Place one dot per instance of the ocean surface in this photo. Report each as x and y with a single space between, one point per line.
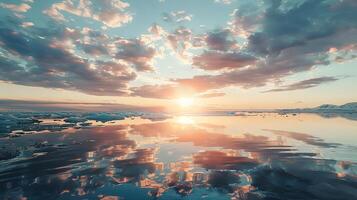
136 156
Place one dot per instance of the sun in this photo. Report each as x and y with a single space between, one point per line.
185 102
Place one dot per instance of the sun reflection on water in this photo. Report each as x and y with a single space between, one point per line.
187 156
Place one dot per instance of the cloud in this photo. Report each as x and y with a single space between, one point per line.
309 83
95 50
220 160
137 53
180 40
245 78
137 164
167 91
223 180
53 106
221 40
224 1
277 46
157 30
47 58
264 42
81 8
22 8
112 13
179 88
325 23
177 16
246 18
211 95
27 24
215 60
283 47
308 139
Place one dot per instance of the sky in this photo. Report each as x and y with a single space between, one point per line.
211 54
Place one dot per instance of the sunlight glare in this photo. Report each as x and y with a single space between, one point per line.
185 102
185 120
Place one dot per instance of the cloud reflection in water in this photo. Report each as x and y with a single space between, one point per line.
110 162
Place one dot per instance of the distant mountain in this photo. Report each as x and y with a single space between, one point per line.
350 106
329 107
326 108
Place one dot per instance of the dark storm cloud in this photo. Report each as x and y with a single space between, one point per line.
309 83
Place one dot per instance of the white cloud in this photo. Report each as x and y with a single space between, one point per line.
112 13
16 8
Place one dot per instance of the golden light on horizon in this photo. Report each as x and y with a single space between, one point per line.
185 102
185 120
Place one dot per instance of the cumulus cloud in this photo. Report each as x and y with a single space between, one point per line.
277 46
221 40
248 78
325 24
177 16
82 8
246 19
137 53
309 83
48 58
112 13
180 40
215 60
27 24
157 30
308 139
94 43
22 8
224 1
263 42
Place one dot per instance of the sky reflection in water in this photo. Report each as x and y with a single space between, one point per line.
265 156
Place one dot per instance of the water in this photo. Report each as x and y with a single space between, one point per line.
253 156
